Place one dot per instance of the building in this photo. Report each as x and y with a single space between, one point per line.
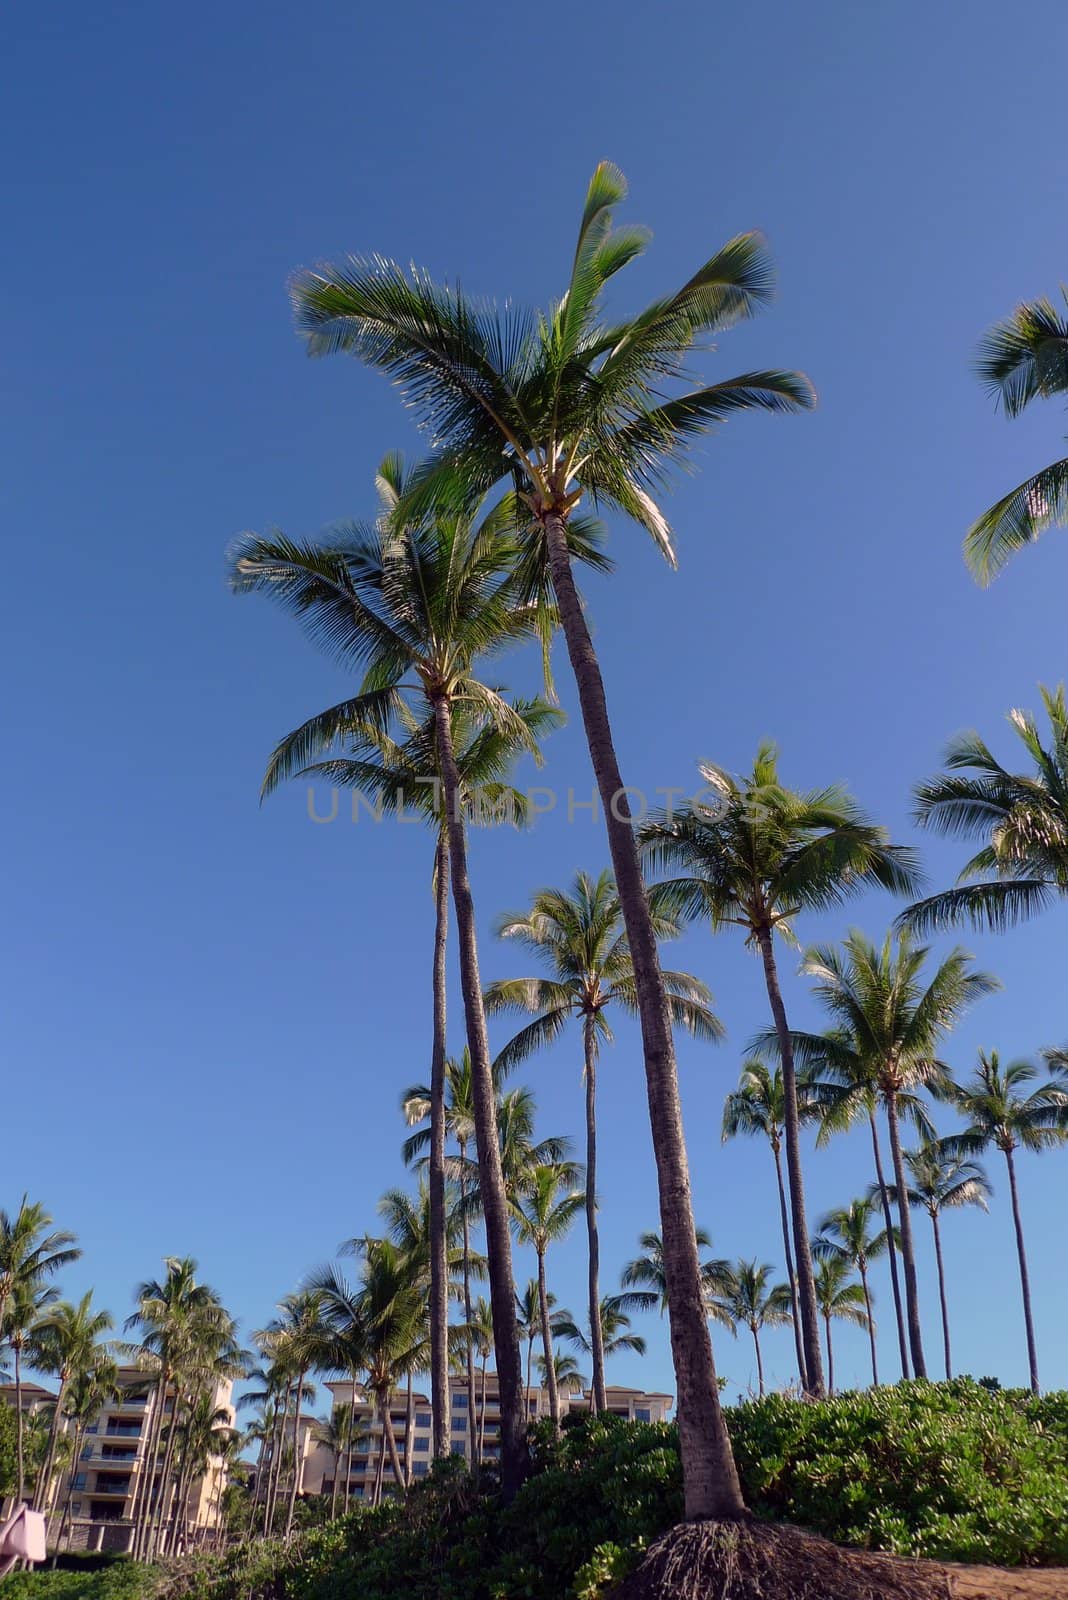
466 1424
103 1482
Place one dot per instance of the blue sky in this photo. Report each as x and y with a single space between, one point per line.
210 1009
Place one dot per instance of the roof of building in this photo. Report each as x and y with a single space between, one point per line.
30 1391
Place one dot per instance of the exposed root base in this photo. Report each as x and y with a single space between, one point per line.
760 1561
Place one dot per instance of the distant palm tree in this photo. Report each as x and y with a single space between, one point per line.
89 1391
566 1377
545 1206
528 1316
1003 1114
1022 359
755 1303
564 405
758 1106
478 1336
615 1330
939 1181
338 1433
755 855
580 936
26 1302
422 603
839 1300
1021 817
30 1251
889 1019
644 1281
65 1343
848 1234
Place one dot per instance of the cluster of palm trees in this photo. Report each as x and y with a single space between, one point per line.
186 1349
555 413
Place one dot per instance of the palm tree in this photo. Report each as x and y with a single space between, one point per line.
420 604
1022 359
888 1022
90 1389
1002 1113
758 1106
755 1303
849 1234
302 1341
645 1283
478 1337
564 405
1021 817
339 1433
581 939
546 1205
30 1251
615 1333
566 1376
528 1318
839 1300
25 1304
940 1181
65 1343
756 856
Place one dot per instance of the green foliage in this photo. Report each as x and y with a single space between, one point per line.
953 1471
7 1448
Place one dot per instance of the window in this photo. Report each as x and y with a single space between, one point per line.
421 1468
79 1480
422 1419
459 1424
642 1414
458 1447
422 1445
459 1402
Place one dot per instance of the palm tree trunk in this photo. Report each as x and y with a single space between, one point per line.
891 1247
863 1268
710 1477
760 1364
277 1458
795 1311
830 1356
439 1267
351 1446
157 1526
409 1434
20 1473
143 1492
66 1520
547 1344
530 1362
380 1471
491 1179
1025 1282
482 1412
469 1445
806 1283
44 1482
598 1396
942 1292
391 1441
297 1461
908 1248
335 1486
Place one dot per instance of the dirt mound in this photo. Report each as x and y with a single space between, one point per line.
760 1561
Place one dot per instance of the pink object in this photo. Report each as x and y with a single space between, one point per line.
22 1538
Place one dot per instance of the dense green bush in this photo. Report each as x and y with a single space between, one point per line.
954 1471
7 1448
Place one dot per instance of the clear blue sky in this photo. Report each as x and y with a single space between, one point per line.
210 1009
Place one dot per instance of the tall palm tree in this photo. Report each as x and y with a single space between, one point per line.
940 1181
421 605
90 1389
753 1302
615 1330
1022 818
850 1234
645 1283
65 1343
1022 359
758 1106
1005 1112
839 1300
545 1206
755 855
303 1341
478 1337
581 939
564 405
31 1250
25 1304
889 1019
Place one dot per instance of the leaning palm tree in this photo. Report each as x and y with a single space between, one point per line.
754 1303
758 1106
889 1018
850 1234
940 1181
645 1283
545 1206
1022 819
580 937
31 1250
754 855
565 405
1022 359
65 1343
421 604
615 1330
1004 1111
840 1300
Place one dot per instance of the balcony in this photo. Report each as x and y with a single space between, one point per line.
111 1486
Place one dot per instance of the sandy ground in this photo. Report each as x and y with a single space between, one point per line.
999 1583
